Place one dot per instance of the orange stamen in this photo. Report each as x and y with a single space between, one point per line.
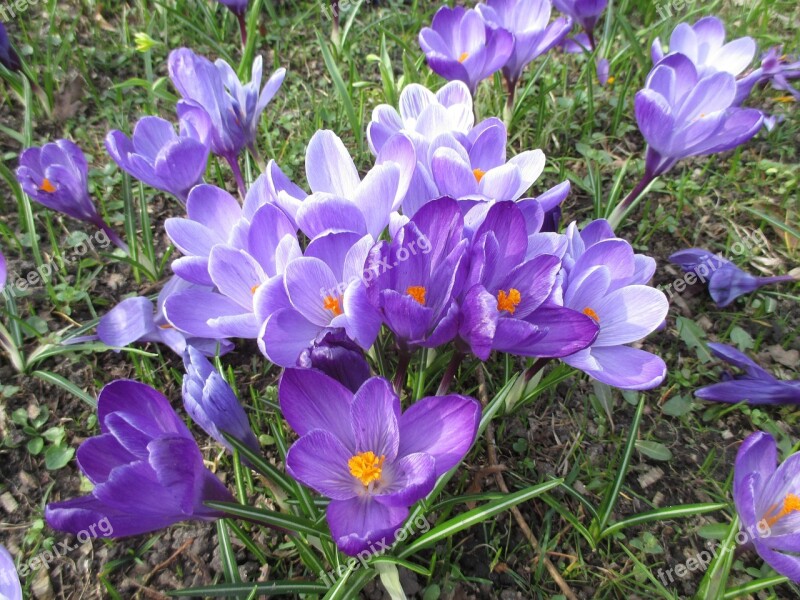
47 186
366 467
464 56
417 292
508 301
333 304
590 313
479 173
791 504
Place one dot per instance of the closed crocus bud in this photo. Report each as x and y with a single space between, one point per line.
159 157
57 176
8 56
338 356
237 7
212 404
147 470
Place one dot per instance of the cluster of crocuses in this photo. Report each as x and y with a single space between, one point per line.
438 242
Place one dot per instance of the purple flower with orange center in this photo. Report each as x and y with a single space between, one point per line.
372 460
767 498
57 176
460 45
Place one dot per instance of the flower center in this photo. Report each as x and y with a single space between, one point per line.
479 173
791 504
464 56
366 467
333 304
47 186
784 99
166 326
590 313
417 292
508 301
254 288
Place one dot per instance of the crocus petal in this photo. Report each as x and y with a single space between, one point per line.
620 366
319 460
127 322
361 523
374 413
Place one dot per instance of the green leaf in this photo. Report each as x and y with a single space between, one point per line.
477 515
664 514
390 578
271 518
272 588
716 577
57 456
694 337
751 587
654 450
34 446
341 89
67 385
677 406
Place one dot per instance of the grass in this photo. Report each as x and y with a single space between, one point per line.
616 455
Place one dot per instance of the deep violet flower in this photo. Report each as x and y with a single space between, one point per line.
138 320
767 498
755 385
459 45
10 588
237 7
586 13
503 306
726 281
529 22
57 176
147 470
372 461
8 56
414 279
159 157
337 356
606 280
210 401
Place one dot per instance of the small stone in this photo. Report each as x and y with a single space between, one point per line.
8 502
41 587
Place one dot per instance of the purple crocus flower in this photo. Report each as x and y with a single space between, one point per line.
10 588
234 109
459 45
503 307
137 320
210 401
586 13
414 279
237 7
8 56
159 157
726 281
147 470
57 176
3 270
340 199
323 289
529 22
245 274
755 385
767 498
423 115
704 44
372 461
337 356
777 69
605 280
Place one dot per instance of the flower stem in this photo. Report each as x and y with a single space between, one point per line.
619 211
112 235
237 173
242 29
537 366
508 113
450 372
402 369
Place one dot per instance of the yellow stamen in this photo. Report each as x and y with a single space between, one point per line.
508 301
166 326
479 173
417 292
366 467
611 80
590 313
254 288
464 56
47 186
333 304
784 99
791 504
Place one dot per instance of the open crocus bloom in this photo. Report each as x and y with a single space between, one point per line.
767 498
506 289
755 385
147 470
372 461
159 157
682 113
529 22
459 45
704 44
726 281
606 281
